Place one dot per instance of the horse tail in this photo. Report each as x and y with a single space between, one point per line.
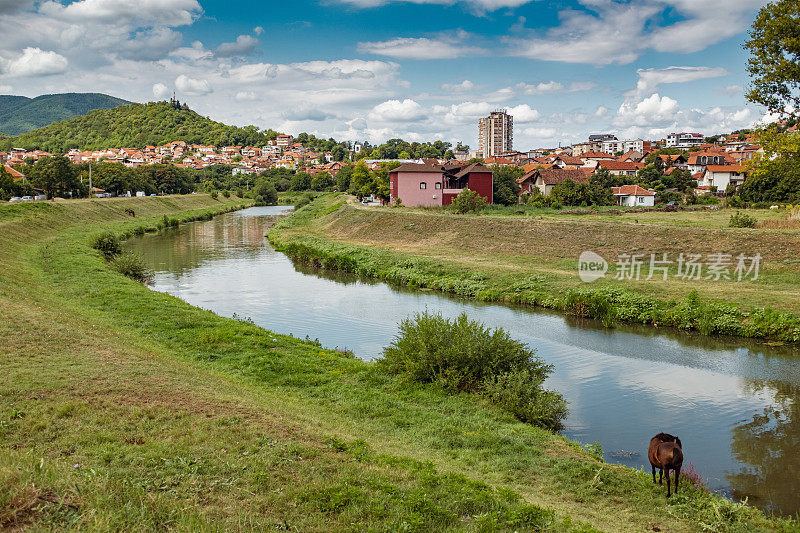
678 441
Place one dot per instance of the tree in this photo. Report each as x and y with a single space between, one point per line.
265 192
468 201
300 181
56 175
322 181
506 188
338 153
343 178
774 63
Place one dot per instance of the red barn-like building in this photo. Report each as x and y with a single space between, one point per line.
436 185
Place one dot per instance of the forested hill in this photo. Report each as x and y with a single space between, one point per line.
136 126
19 114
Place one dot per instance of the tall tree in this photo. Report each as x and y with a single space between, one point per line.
774 63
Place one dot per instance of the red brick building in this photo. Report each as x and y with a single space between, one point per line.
436 185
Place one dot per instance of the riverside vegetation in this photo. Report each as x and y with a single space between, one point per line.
533 260
125 408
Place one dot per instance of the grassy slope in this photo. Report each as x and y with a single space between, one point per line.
534 258
126 408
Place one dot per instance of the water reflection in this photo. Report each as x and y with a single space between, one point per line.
731 401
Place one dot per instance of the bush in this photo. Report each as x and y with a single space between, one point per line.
226 193
463 355
131 265
214 195
265 192
304 200
742 220
468 201
521 394
108 244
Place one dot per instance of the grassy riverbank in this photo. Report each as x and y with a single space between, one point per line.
534 260
123 408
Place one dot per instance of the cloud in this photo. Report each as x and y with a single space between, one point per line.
602 32
464 86
244 45
13 6
258 30
549 87
442 47
651 79
246 96
160 91
150 45
36 62
476 6
523 113
396 111
140 12
192 86
306 113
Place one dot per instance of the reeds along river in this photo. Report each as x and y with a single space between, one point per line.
735 405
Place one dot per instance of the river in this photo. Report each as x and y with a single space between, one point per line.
735 404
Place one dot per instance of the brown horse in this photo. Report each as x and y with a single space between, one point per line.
665 453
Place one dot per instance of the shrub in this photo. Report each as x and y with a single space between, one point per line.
108 244
131 265
521 394
304 200
468 201
742 220
214 195
555 204
226 193
463 355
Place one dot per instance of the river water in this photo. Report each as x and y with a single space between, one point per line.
735 404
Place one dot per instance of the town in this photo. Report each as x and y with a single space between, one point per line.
716 165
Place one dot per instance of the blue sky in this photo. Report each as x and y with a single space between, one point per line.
418 69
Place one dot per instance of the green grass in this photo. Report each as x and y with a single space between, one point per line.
534 262
122 408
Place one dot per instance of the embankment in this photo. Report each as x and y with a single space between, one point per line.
123 408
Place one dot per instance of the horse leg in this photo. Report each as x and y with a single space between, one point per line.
668 494
660 476
677 474
654 473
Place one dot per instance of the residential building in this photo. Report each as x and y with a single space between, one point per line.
546 179
422 184
495 133
684 140
601 138
621 168
720 176
284 141
633 196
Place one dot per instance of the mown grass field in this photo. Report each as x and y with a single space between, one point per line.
122 408
534 259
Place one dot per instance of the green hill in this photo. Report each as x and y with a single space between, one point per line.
135 126
19 114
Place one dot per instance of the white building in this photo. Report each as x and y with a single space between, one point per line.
633 196
684 140
496 133
720 176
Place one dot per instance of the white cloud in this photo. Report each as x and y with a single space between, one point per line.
36 62
258 30
141 12
192 86
477 6
442 47
523 113
150 45
601 111
244 45
651 110
160 91
612 31
549 87
396 111
464 86
651 79
246 96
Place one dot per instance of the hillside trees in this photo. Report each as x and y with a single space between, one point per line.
57 176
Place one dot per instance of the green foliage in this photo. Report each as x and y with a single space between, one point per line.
265 192
570 193
742 220
468 201
19 114
108 244
57 176
214 195
506 188
136 125
322 181
300 182
304 200
131 265
774 62
463 355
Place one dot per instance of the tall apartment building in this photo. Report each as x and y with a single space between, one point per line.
495 133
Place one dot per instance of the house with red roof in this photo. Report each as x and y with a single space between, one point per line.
633 196
621 168
720 176
426 184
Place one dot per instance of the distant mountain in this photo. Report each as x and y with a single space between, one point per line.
19 114
136 126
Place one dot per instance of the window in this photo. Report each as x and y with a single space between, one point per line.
423 185
438 185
